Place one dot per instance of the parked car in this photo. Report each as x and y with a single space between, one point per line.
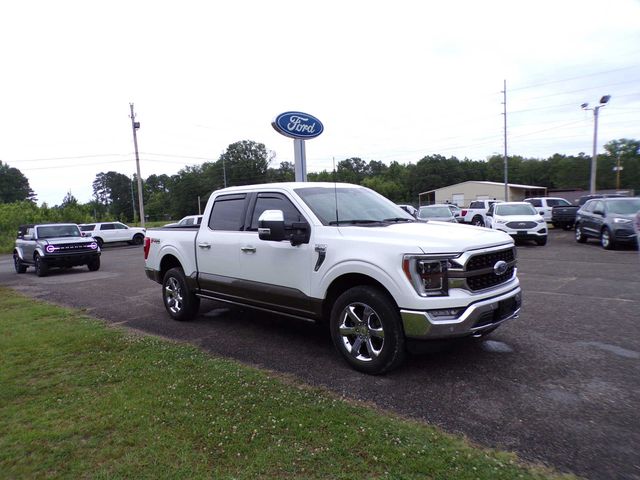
107 232
518 219
52 245
456 210
476 213
188 221
437 212
544 205
410 209
608 219
341 255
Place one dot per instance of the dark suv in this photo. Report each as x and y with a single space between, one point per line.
608 219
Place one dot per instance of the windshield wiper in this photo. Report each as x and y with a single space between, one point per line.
354 222
398 219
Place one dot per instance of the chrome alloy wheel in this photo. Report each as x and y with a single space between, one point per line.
173 295
362 332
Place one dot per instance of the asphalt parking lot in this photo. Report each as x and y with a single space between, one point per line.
560 385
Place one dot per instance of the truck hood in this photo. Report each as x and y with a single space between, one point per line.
429 237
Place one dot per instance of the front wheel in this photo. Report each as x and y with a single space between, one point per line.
541 241
18 265
94 264
180 302
366 330
606 239
137 239
42 270
580 236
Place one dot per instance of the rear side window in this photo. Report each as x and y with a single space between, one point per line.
476 205
107 226
275 201
536 202
228 213
557 202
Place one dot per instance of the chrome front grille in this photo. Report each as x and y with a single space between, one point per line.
521 225
477 272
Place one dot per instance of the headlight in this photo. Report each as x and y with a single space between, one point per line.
621 220
428 275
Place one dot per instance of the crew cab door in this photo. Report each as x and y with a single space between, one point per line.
218 246
277 275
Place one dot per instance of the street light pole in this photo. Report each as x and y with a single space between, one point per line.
594 156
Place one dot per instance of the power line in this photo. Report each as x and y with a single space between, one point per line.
578 77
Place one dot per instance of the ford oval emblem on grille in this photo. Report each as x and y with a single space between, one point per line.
500 268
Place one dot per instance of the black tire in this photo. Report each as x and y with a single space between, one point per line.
366 330
607 240
42 270
179 301
94 265
99 241
477 221
567 226
17 264
541 241
138 238
580 236
555 224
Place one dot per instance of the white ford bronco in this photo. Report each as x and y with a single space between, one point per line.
341 254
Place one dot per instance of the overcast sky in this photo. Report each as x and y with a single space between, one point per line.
390 80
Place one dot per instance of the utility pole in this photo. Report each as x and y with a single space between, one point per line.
135 126
594 156
506 169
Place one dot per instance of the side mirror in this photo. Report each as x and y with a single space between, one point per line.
489 214
598 212
28 237
271 226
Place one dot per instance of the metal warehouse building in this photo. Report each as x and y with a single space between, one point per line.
462 194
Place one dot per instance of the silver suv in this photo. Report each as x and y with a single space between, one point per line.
608 219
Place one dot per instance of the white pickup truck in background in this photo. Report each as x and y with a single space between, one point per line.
476 214
341 254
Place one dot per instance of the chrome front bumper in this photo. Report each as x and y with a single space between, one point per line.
476 318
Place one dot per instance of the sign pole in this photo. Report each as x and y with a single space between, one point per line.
300 159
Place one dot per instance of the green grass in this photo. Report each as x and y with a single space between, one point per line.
79 399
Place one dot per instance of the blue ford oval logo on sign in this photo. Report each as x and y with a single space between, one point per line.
298 125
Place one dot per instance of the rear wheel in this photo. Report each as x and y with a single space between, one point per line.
366 330
606 239
477 221
18 265
179 301
580 236
42 270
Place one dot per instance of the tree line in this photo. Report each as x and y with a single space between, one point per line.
246 162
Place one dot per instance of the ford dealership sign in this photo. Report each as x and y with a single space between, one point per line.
298 125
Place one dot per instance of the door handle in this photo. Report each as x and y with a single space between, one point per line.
248 249
204 245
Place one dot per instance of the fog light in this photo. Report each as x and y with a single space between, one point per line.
449 313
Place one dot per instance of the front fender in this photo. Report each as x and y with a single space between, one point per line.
361 267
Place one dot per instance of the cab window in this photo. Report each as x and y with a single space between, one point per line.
275 201
228 213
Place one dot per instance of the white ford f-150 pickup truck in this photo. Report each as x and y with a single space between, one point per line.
341 254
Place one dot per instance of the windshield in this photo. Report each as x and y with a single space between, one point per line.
624 207
432 212
518 209
54 231
355 206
